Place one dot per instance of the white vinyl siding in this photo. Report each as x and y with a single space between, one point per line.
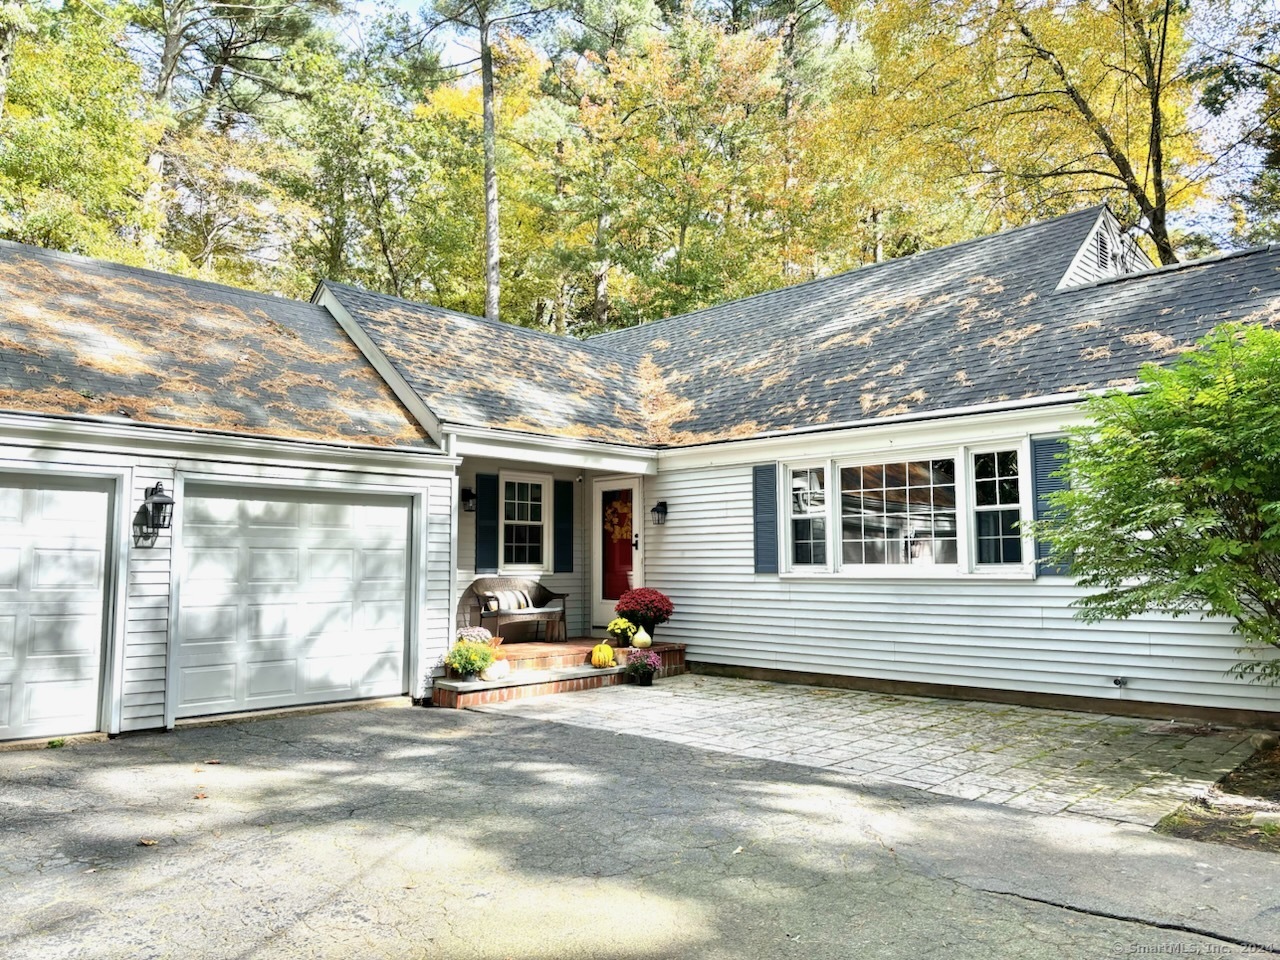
965 631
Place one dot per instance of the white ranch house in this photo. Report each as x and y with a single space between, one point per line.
843 464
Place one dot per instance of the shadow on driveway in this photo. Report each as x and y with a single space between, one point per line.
431 833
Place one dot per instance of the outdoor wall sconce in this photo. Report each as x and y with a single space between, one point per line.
659 513
155 514
468 500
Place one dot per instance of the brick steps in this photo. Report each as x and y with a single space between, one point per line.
537 671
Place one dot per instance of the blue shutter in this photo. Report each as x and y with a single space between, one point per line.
764 498
487 523
1047 455
562 520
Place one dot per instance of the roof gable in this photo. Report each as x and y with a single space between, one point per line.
82 337
473 372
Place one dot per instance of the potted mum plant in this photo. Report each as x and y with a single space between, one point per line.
469 656
645 607
642 665
622 630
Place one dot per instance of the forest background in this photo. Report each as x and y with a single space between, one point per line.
579 165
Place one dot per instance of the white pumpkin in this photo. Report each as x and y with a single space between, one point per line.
496 670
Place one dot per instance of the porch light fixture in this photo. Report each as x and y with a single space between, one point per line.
468 500
158 508
659 513
155 514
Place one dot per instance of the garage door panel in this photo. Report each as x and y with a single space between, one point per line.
215 624
389 519
333 567
10 504
58 703
51 636
376 673
213 565
212 685
327 624
272 678
272 514
328 675
383 566
272 621
332 516
274 566
304 571
10 564
66 569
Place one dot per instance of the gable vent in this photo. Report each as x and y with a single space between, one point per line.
1104 259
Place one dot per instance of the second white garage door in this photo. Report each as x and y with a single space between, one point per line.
290 599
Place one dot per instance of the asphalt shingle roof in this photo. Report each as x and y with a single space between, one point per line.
82 337
470 371
971 324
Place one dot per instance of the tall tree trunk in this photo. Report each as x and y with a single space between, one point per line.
12 16
491 248
600 269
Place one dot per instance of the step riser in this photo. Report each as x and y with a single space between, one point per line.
669 658
460 701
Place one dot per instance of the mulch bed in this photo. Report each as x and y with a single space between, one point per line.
1225 813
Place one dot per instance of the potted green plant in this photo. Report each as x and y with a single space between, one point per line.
645 607
642 665
622 630
468 658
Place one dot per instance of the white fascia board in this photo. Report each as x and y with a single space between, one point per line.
325 297
102 437
552 451
973 426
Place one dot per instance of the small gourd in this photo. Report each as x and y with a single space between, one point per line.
642 639
602 655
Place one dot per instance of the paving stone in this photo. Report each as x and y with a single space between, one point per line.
1049 761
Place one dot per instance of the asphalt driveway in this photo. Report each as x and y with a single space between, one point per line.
448 834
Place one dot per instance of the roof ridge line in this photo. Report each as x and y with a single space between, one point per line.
503 325
96 263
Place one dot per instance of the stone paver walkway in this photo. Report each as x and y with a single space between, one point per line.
1046 761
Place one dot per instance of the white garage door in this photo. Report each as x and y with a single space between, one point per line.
290 599
53 550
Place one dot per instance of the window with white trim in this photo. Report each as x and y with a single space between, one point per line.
951 511
525 522
997 510
898 513
808 515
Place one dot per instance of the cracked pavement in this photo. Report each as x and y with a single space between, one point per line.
409 833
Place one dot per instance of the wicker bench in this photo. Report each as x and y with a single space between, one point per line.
491 596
